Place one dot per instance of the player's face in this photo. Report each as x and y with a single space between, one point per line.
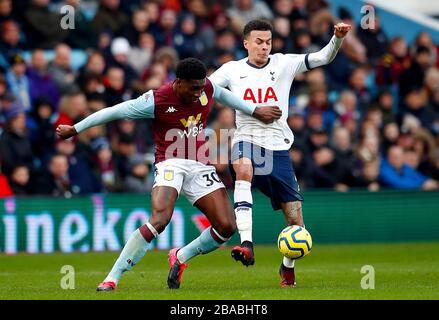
189 91
258 45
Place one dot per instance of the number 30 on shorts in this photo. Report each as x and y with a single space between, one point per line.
211 178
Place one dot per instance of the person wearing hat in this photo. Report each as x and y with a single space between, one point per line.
18 81
120 50
15 146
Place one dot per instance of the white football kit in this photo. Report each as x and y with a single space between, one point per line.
269 86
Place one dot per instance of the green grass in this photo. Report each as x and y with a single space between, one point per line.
402 271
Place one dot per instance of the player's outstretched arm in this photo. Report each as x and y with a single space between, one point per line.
266 114
142 107
328 53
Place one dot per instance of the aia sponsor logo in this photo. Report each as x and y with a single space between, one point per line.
259 95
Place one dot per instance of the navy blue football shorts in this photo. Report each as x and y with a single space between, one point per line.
273 172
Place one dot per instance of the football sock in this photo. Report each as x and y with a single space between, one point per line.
289 263
132 252
243 209
208 241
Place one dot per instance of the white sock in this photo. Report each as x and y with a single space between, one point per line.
205 243
289 263
243 209
131 254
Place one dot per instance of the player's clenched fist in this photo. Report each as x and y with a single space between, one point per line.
267 114
341 29
65 131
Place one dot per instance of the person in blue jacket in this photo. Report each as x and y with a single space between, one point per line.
394 173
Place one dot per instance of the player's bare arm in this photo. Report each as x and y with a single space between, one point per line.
267 114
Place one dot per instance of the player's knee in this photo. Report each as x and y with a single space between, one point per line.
160 218
227 229
244 172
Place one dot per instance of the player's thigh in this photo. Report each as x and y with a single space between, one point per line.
168 183
163 203
218 210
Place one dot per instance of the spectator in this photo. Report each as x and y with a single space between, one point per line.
19 83
393 63
83 36
10 44
55 180
81 177
358 85
413 77
42 134
415 104
20 181
115 90
103 158
344 154
73 107
186 40
137 179
325 170
41 83
395 174
242 11
374 40
120 50
141 55
60 70
42 25
166 27
368 177
138 26
6 10
424 39
109 18
15 145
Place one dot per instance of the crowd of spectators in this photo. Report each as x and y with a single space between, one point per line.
368 120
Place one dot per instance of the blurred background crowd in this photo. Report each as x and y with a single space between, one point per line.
368 120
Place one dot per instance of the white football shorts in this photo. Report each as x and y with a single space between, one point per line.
194 178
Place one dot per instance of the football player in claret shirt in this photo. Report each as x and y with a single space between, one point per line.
260 151
179 111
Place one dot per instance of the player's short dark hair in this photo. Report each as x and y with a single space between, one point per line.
257 24
191 69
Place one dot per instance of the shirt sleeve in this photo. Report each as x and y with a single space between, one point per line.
221 76
142 107
226 97
304 62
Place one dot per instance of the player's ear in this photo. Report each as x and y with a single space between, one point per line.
245 42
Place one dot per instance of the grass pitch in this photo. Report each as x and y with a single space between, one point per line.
402 271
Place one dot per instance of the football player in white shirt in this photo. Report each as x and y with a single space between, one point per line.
260 151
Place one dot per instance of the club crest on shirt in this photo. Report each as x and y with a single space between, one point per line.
169 175
203 99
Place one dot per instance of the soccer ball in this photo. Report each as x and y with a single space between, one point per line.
294 242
